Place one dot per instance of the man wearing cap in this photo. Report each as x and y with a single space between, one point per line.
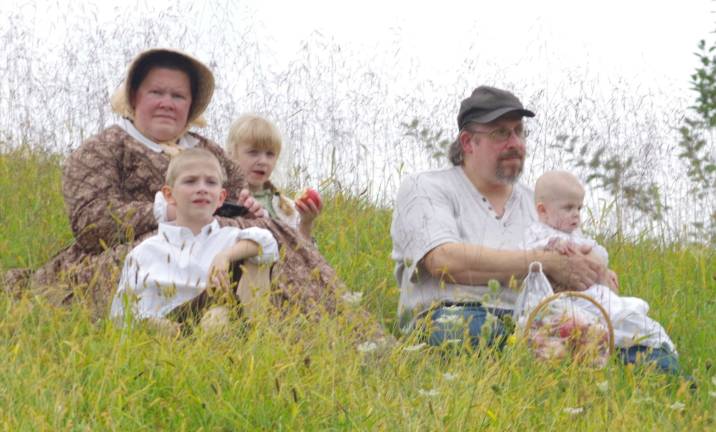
456 229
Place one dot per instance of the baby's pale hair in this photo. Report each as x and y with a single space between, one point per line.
253 130
556 184
180 161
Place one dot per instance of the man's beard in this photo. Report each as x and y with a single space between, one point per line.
509 176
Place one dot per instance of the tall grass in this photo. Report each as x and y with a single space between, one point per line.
32 211
341 116
63 372
340 110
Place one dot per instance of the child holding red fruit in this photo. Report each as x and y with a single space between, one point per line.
254 143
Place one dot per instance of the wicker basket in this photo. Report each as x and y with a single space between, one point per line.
565 294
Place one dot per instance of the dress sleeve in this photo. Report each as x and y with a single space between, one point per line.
101 212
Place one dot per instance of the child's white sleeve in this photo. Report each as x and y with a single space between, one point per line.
160 207
268 248
536 237
601 252
125 289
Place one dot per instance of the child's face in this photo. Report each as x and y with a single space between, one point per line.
562 213
256 164
197 193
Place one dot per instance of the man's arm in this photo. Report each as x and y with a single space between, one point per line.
475 265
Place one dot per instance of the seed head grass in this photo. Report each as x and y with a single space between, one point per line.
62 371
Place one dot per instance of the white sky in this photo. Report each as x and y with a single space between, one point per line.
525 45
652 40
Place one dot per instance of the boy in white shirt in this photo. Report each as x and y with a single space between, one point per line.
172 269
559 197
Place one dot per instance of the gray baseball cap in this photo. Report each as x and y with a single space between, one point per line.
487 104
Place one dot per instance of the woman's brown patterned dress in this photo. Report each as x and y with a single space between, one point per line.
109 185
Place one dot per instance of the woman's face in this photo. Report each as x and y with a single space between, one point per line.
162 103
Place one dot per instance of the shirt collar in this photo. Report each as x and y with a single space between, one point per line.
178 235
186 141
484 202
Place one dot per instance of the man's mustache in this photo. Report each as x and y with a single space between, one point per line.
509 154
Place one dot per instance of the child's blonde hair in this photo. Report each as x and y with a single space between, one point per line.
253 130
181 159
259 133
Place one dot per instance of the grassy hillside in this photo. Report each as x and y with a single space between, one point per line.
60 372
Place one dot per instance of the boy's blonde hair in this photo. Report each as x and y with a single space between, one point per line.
259 133
180 160
253 130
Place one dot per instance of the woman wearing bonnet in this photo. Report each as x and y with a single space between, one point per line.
110 182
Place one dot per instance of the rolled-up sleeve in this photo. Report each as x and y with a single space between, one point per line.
424 218
268 248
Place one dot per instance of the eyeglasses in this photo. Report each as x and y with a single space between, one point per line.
502 134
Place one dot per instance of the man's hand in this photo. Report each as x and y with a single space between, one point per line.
255 208
613 281
578 271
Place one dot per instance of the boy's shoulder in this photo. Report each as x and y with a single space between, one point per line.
149 245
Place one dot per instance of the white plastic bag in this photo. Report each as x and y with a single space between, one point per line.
535 288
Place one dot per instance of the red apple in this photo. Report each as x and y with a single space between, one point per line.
567 329
310 195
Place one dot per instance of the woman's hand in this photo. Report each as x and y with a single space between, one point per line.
255 208
309 211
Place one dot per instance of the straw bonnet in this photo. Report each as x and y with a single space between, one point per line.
200 98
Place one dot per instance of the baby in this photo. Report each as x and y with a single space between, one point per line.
559 198
171 271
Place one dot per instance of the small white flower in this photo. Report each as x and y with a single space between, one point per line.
417 347
449 319
713 380
603 386
353 297
453 341
573 411
428 393
448 376
712 394
367 347
677 406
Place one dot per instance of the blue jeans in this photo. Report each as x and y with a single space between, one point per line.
456 322
662 358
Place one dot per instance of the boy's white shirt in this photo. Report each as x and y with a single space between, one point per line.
172 267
